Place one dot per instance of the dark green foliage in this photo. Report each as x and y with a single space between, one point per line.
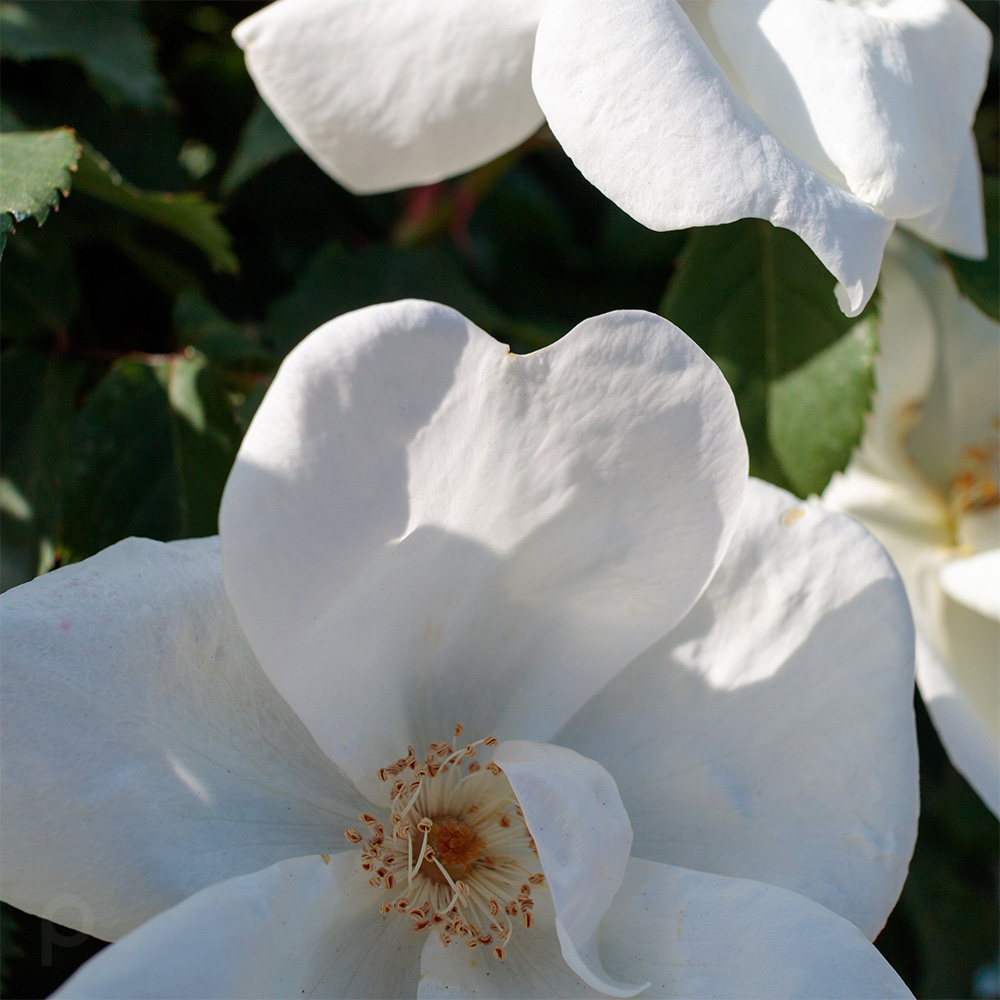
107 37
762 306
148 454
816 413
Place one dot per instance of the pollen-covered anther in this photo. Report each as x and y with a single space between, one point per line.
456 843
975 486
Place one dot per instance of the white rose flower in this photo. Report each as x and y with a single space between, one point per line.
925 482
688 763
832 119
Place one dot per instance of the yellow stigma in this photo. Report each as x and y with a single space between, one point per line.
455 854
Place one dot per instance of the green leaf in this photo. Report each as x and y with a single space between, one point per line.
40 287
816 414
107 37
206 439
234 347
262 142
762 306
35 167
188 214
38 396
337 281
149 454
980 279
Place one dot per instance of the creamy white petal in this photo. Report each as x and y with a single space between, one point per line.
694 934
145 754
771 735
961 408
637 100
396 93
966 734
959 223
975 582
878 96
968 643
499 534
581 830
924 482
904 368
301 928
910 521
957 669
534 968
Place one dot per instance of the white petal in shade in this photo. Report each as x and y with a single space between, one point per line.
879 96
904 368
771 734
534 968
694 934
975 582
301 928
495 528
959 223
960 413
396 93
637 100
581 830
962 697
145 754
960 717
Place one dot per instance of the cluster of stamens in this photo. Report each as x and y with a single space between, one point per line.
454 849
975 486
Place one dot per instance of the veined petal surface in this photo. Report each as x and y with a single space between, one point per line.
396 93
696 934
959 223
770 736
647 114
301 928
422 528
145 753
879 96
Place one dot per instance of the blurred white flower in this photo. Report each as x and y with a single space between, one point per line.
560 549
924 481
833 120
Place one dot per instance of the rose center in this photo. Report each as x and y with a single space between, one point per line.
455 853
456 846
